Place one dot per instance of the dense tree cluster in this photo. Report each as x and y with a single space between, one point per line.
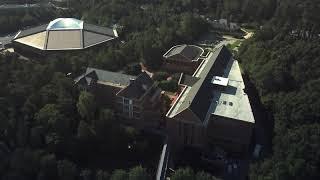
50 130
285 70
11 20
189 174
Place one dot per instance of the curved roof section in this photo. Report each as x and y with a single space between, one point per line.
184 53
65 23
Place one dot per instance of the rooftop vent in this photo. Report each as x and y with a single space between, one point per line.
221 81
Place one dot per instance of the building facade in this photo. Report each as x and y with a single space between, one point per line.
212 109
136 99
182 58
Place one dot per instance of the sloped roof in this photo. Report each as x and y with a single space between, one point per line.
103 76
184 52
197 98
187 80
138 87
65 34
30 31
134 87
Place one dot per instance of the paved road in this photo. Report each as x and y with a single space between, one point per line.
6 40
17 6
38 5
248 35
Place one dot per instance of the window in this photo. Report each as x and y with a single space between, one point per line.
126 101
127 107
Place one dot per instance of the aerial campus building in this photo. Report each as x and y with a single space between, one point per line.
136 99
212 107
62 34
183 58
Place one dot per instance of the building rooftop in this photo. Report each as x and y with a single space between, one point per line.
138 87
232 101
184 52
221 81
65 23
105 77
64 34
201 96
133 87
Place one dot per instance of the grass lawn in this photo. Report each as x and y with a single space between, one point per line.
235 44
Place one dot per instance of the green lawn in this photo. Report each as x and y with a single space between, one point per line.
235 44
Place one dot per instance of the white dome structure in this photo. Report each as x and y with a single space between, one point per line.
65 34
65 23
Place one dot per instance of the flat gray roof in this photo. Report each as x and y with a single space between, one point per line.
196 97
231 101
206 99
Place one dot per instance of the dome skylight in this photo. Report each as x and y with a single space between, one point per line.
65 23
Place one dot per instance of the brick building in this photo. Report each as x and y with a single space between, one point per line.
182 58
212 108
136 99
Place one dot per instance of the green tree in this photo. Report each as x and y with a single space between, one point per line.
67 170
183 174
205 176
86 105
138 173
52 119
102 175
119 175
48 167
106 126
85 132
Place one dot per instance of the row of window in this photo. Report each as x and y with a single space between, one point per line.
130 110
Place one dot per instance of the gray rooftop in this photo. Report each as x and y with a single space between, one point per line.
107 77
138 87
184 52
32 30
132 87
199 97
232 101
65 34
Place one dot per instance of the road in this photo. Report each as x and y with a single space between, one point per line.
6 39
38 5
248 35
17 6
225 41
